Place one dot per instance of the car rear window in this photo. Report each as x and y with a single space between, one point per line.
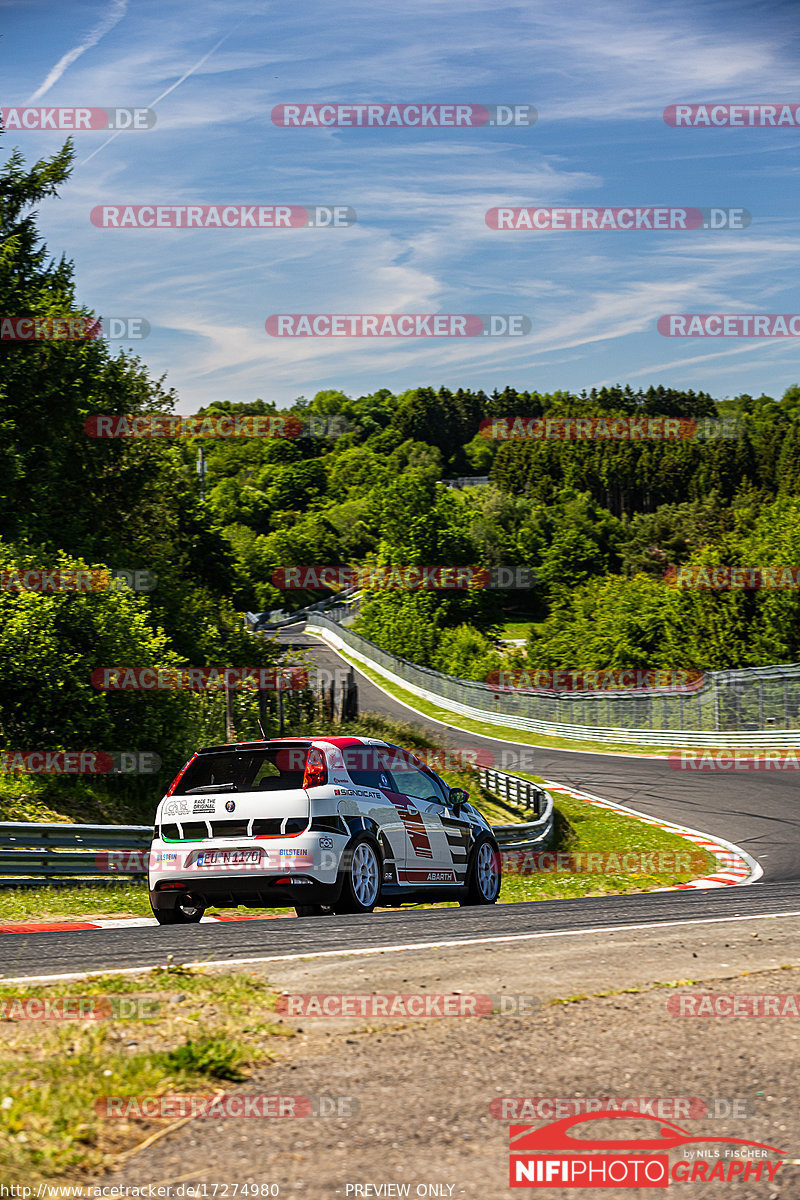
275 770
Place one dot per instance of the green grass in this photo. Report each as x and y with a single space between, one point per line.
587 828
515 629
90 902
209 1029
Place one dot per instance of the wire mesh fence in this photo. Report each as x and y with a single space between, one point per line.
753 699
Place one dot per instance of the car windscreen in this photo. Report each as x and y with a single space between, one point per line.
275 770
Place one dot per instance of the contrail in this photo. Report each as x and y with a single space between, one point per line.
172 87
118 10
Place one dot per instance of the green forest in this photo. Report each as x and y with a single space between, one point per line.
598 522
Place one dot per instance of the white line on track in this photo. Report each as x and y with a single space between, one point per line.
495 939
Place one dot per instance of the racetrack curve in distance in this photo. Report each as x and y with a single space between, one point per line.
757 810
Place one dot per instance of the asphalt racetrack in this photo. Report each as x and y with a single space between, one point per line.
758 810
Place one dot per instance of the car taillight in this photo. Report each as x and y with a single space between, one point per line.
316 773
180 775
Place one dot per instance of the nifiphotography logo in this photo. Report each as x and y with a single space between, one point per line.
552 1156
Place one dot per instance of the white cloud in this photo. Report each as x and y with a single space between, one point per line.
113 17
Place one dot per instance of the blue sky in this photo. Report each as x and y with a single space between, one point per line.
599 75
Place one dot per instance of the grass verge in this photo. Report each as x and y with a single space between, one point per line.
170 1031
581 827
79 903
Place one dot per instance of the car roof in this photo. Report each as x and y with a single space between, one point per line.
341 743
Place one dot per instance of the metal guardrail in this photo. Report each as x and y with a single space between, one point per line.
720 709
334 606
36 853
514 790
33 853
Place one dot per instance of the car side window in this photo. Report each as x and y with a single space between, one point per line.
442 789
369 766
413 782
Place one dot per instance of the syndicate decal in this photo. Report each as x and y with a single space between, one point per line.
620 429
222 216
734 578
755 1004
78 119
599 219
753 116
79 762
729 325
653 862
402 325
384 116
734 759
73 329
616 679
198 679
629 1162
439 577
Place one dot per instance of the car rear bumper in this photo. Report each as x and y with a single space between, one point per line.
289 866
255 891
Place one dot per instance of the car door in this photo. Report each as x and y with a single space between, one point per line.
430 858
374 797
458 830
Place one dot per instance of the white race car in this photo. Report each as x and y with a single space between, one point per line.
326 824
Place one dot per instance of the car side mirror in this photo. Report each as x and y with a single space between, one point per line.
457 799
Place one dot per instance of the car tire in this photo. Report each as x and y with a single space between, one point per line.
181 914
313 910
483 873
361 882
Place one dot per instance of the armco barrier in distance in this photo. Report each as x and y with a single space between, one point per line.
748 707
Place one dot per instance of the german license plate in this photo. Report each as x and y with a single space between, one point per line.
227 858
